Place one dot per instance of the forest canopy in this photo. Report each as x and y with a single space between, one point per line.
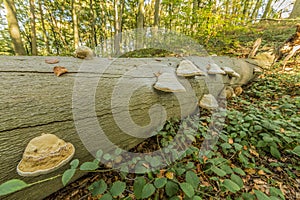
58 27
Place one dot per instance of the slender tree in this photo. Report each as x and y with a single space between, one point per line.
74 5
46 40
33 30
13 27
156 13
267 9
140 24
296 10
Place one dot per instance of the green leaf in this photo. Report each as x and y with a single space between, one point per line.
148 190
274 152
117 188
296 150
187 189
260 195
98 187
160 182
89 166
192 178
67 176
226 146
231 186
171 188
138 186
218 171
248 196
99 154
196 198
235 178
239 171
106 196
74 164
276 192
12 186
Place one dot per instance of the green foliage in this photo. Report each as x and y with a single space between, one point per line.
12 186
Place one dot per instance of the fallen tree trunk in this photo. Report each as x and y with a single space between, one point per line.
34 101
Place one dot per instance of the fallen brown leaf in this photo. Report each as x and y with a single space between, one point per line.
51 60
58 70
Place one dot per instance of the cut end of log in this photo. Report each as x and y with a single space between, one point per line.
45 154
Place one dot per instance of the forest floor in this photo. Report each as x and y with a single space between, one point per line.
259 142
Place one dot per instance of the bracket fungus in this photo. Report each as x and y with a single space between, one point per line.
84 52
230 72
167 82
59 70
215 69
209 102
187 69
45 154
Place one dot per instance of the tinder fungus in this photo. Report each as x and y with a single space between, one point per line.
51 60
186 68
214 69
84 52
209 102
168 82
230 72
45 154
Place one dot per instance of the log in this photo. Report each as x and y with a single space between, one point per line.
34 101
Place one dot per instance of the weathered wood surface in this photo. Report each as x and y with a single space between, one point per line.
34 101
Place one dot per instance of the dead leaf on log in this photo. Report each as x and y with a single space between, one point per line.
58 70
51 60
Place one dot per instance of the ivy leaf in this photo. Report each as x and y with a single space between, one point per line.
117 188
192 178
12 186
231 186
74 164
98 187
67 176
274 151
148 190
89 166
160 182
239 171
218 171
106 196
276 192
138 186
235 178
260 195
187 189
296 150
171 188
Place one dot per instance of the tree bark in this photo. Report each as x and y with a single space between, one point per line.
34 101
117 24
296 10
13 27
34 51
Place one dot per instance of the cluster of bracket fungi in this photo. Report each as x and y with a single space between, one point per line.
168 82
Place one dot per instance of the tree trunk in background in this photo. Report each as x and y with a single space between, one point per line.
75 23
13 27
33 30
93 29
44 28
296 10
140 24
117 28
255 10
268 9
156 13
